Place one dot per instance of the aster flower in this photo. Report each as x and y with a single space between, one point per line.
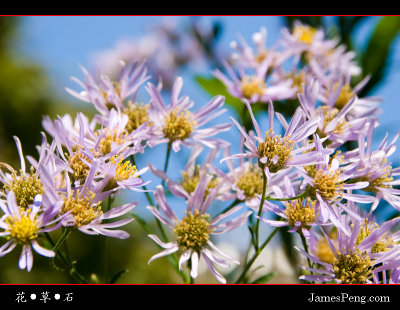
374 167
26 186
253 85
105 94
326 182
193 232
246 179
359 256
299 214
333 123
177 125
193 172
274 152
23 225
81 206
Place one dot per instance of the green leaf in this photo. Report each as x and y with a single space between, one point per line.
117 275
374 60
264 279
215 87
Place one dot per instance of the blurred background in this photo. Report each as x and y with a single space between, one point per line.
39 55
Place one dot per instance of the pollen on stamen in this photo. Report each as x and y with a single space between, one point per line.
25 187
137 115
251 86
80 169
193 232
109 138
328 185
178 125
382 245
190 181
353 268
82 208
22 228
300 211
251 181
276 149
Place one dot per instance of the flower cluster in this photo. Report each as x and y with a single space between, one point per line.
314 172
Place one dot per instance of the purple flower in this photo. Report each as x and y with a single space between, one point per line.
254 86
299 214
332 123
274 152
23 225
177 125
359 256
105 94
192 174
194 230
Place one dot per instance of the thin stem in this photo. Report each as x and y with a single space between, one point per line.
105 250
56 247
70 266
305 246
261 207
256 254
287 199
167 160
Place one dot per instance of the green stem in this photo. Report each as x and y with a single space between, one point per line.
287 199
56 247
105 250
70 266
255 256
167 160
304 241
260 208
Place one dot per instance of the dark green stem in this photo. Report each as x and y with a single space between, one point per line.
302 195
255 256
304 241
260 208
167 160
70 267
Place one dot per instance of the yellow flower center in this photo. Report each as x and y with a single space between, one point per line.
250 181
328 115
366 229
137 115
304 33
277 149
178 126
193 231
324 252
354 268
327 184
190 182
300 210
346 94
80 169
23 229
251 86
109 138
25 187
82 208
